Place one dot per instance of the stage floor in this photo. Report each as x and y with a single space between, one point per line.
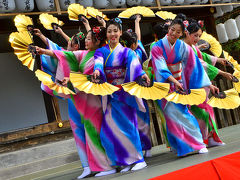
163 161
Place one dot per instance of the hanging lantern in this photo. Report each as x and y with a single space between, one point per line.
238 22
100 4
226 9
45 5
7 6
190 1
24 5
65 3
147 2
118 3
177 2
221 32
133 2
219 12
86 3
231 29
165 2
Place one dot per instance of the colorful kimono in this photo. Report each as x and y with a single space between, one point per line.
203 112
119 133
86 124
179 61
143 117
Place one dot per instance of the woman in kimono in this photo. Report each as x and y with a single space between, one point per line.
119 134
85 109
132 40
175 62
203 112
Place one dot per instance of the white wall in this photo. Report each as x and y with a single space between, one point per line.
21 100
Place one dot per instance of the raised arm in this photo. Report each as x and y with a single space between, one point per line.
38 33
48 52
86 24
137 27
101 21
60 31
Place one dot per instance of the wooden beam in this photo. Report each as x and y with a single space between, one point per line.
58 7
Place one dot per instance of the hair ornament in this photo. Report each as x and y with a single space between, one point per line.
201 23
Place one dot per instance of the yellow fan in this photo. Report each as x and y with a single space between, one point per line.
47 81
225 100
22 43
49 21
95 12
130 12
75 11
232 61
215 46
23 23
165 15
195 97
157 91
236 83
83 83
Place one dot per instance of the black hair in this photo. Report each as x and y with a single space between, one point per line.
101 35
79 41
181 16
115 21
178 21
193 26
160 30
128 38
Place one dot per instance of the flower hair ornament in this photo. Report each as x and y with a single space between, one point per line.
186 24
96 31
201 23
117 20
130 30
80 35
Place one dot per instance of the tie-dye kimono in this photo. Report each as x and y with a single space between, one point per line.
179 61
119 133
203 112
143 117
85 110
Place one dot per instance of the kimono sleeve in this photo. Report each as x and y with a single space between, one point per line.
159 64
133 67
194 75
141 53
99 63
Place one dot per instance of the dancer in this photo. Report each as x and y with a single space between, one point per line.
132 40
119 134
175 62
88 124
203 112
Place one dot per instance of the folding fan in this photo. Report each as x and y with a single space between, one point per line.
225 100
165 15
130 12
23 23
232 62
95 12
22 44
47 81
215 46
83 83
76 11
49 21
236 81
156 91
190 97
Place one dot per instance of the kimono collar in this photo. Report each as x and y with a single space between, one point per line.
165 41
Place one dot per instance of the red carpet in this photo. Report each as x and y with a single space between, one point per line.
224 168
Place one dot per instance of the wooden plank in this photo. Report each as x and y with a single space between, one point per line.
152 129
158 4
58 7
56 111
32 132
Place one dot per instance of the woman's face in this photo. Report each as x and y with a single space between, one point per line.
113 34
174 32
195 37
90 44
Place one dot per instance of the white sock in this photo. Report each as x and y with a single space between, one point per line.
203 151
212 143
127 168
148 153
86 172
104 173
139 166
